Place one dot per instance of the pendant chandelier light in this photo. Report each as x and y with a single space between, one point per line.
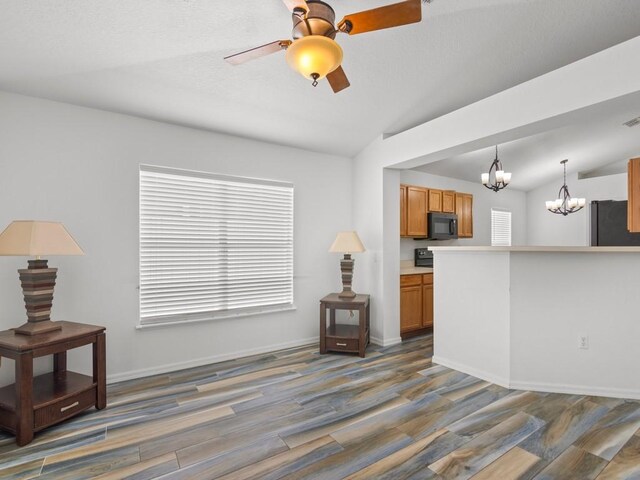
500 178
565 203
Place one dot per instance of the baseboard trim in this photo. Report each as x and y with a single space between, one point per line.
385 343
173 367
539 387
577 390
474 372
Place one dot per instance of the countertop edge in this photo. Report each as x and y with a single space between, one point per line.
540 249
415 271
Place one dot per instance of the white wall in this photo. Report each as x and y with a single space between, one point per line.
545 228
80 166
471 324
555 298
483 201
368 222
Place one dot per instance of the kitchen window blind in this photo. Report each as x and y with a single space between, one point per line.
213 245
500 228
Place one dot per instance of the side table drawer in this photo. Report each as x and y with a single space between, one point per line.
62 409
344 344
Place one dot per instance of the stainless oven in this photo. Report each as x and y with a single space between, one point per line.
423 257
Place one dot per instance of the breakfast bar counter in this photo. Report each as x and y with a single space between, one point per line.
558 319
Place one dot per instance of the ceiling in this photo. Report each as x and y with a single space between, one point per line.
599 144
162 59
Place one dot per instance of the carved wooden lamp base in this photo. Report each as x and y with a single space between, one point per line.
347 243
346 267
38 282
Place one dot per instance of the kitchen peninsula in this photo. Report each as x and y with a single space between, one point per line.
556 319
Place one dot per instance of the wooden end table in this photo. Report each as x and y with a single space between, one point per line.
340 337
33 403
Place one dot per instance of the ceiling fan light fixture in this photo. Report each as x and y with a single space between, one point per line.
314 56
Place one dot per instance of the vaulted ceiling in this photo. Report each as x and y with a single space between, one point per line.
600 144
163 59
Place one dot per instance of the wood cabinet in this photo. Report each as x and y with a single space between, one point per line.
464 210
416 303
427 305
448 201
435 200
633 204
410 308
416 212
403 211
416 202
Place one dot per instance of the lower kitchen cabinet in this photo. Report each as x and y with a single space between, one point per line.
416 304
427 305
410 308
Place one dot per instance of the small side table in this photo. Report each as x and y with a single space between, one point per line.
33 403
340 337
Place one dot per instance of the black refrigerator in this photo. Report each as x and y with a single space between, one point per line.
609 225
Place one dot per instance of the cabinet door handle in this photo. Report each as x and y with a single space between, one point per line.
341 344
74 404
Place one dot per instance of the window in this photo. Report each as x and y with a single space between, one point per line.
213 245
500 228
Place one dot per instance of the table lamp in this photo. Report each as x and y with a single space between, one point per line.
31 238
347 243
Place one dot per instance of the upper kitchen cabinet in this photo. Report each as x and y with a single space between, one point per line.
633 205
435 200
416 212
464 210
403 211
415 202
448 201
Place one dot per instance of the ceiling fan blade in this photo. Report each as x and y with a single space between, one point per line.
293 4
338 80
403 13
257 52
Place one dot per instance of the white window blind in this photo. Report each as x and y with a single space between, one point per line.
213 245
500 228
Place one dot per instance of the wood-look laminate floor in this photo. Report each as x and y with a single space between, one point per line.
296 414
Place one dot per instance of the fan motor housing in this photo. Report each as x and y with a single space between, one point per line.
320 20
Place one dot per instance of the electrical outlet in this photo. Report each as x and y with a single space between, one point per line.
583 342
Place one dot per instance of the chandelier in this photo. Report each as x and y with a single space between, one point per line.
500 178
565 203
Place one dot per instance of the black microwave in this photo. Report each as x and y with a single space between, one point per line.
442 226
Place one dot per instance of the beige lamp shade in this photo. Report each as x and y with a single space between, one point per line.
347 242
33 238
314 56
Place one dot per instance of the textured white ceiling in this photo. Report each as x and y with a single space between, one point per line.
597 144
162 59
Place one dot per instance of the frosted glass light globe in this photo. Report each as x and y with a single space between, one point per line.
314 56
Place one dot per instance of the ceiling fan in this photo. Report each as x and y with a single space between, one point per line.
313 51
